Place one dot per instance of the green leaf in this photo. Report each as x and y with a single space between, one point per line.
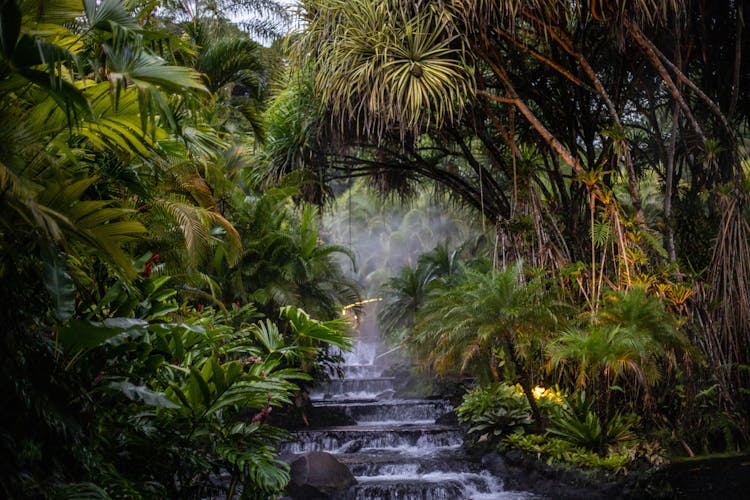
161 310
67 97
197 379
82 334
113 292
331 332
177 391
80 491
59 284
156 283
143 393
218 375
268 335
106 14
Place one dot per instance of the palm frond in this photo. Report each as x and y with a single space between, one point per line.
388 68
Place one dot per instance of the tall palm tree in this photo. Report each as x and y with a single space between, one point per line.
262 18
406 293
235 71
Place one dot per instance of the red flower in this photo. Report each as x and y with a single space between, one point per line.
199 307
149 265
261 417
253 360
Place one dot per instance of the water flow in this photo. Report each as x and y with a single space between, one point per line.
396 450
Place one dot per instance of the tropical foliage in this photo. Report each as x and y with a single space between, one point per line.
497 409
603 142
132 367
166 284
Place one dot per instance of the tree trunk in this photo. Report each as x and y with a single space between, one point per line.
524 382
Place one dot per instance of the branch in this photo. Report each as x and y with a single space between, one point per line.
567 44
496 98
651 52
546 60
687 81
550 139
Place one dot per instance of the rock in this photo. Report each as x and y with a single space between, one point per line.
523 471
449 418
318 475
725 478
292 417
494 463
325 416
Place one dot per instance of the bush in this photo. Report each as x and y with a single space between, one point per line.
578 423
559 451
497 409
150 399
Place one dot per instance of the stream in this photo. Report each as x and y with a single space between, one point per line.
396 450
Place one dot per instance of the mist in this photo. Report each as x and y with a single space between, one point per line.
386 235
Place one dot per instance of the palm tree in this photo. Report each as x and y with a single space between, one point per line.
86 106
284 262
56 125
235 71
628 342
263 18
403 296
407 292
488 323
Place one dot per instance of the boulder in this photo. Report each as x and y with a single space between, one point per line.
449 418
318 475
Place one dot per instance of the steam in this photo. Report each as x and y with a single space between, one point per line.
385 235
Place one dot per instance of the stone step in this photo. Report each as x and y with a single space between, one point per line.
416 439
391 411
436 486
397 463
363 388
361 371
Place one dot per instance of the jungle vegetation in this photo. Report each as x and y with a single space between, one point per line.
603 147
166 283
158 302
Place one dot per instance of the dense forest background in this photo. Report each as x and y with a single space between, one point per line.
573 234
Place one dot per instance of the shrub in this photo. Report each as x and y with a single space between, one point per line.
559 451
578 423
498 409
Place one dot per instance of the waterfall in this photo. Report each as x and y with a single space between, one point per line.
396 450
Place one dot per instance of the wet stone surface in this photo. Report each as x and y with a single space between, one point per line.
396 450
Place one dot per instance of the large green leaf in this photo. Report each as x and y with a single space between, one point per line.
48 13
82 334
107 14
80 491
330 332
59 284
143 393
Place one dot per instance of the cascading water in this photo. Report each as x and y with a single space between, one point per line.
396 450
